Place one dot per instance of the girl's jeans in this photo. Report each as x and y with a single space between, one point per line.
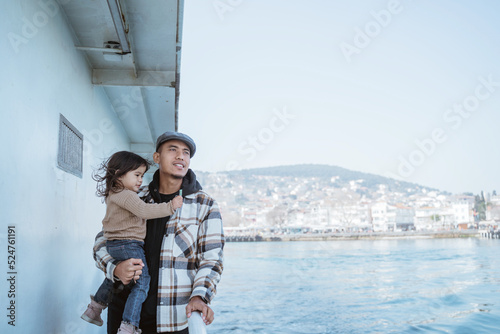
123 250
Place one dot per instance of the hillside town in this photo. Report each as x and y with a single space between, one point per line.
286 205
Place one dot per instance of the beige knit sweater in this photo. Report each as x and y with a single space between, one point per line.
126 215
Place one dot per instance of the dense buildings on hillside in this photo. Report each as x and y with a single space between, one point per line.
317 204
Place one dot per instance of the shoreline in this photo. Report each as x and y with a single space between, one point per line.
355 236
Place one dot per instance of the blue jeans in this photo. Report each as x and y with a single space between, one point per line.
122 250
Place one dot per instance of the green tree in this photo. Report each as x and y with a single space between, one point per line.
480 207
436 218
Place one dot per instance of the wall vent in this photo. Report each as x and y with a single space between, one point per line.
70 153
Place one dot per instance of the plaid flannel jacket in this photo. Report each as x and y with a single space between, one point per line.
191 259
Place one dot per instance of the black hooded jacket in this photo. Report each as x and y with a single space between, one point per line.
155 231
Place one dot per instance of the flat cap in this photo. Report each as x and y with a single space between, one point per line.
171 135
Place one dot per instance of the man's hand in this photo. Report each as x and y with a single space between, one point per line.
128 270
197 304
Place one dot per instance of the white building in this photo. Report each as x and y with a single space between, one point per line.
495 200
78 84
463 209
349 216
428 218
387 217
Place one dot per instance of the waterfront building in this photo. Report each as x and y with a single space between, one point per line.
387 217
495 200
463 209
428 218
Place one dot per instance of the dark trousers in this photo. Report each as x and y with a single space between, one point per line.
115 311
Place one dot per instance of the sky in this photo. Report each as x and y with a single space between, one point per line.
404 89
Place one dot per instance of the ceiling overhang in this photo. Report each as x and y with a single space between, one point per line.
134 49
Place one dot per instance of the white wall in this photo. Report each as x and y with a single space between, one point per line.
56 215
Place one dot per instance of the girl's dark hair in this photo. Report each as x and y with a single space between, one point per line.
109 172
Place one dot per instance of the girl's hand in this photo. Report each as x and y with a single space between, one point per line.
177 202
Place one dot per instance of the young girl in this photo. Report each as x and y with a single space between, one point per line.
124 225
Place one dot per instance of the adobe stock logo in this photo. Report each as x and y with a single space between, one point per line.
221 7
364 37
454 118
254 144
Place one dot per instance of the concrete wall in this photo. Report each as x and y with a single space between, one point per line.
56 214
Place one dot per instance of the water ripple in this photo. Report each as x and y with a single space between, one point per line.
380 286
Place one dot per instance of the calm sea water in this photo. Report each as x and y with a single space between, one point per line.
379 286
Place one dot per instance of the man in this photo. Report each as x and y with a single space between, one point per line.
184 251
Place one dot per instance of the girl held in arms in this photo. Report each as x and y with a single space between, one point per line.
124 225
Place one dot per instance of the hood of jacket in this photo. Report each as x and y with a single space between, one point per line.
189 185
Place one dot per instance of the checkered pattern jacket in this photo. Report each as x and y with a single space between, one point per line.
191 259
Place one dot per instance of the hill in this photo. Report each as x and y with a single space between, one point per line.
342 176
